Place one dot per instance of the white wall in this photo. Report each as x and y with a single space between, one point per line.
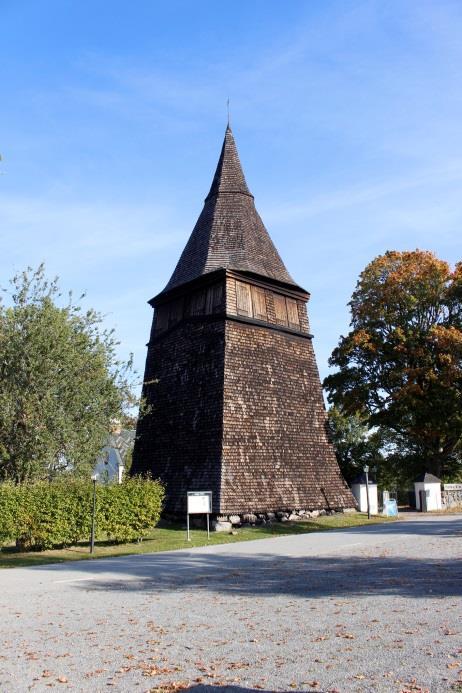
360 493
434 501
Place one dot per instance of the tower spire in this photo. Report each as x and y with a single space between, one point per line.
229 176
229 233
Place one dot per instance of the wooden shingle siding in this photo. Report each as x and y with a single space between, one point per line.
303 317
231 299
180 440
270 307
276 452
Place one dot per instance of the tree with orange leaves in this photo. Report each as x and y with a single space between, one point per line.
401 363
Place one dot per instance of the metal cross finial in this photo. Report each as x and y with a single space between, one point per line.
227 106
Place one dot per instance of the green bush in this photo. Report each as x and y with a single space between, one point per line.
126 511
9 511
44 515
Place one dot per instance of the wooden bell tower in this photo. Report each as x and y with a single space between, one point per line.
234 400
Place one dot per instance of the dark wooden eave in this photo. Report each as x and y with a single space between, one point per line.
291 290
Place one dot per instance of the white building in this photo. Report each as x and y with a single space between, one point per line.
359 490
110 465
427 492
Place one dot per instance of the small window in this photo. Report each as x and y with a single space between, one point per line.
198 303
162 317
214 298
259 303
244 302
292 314
209 301
176 311
280 309
217 296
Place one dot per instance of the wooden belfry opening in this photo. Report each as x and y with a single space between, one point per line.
234 401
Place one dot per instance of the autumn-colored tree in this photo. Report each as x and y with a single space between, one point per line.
401 363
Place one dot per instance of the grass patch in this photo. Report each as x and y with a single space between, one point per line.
171 537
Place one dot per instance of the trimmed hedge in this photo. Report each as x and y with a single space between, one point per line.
43 515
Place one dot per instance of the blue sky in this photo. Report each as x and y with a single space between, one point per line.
347 116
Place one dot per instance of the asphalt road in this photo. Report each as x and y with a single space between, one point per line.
373 608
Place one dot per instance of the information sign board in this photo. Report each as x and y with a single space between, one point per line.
199 502
452 487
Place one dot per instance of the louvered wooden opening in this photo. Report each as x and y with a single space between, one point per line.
251 302
214 299
292 314
176 312
256 302
280 309
244 300
259 303
198 303
162 317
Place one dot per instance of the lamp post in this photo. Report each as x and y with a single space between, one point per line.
94 479
366 472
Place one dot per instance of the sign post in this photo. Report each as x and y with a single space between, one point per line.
94 479
366 472
199 503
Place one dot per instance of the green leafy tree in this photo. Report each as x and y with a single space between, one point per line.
401 363
61 382
355 445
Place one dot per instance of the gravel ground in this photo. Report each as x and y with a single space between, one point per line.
364 609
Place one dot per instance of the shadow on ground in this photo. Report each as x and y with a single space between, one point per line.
228 571
264 575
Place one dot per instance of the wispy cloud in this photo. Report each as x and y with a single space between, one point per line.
446 175
87 232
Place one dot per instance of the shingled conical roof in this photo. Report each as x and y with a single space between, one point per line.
229 233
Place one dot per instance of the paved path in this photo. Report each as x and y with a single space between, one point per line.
365 609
